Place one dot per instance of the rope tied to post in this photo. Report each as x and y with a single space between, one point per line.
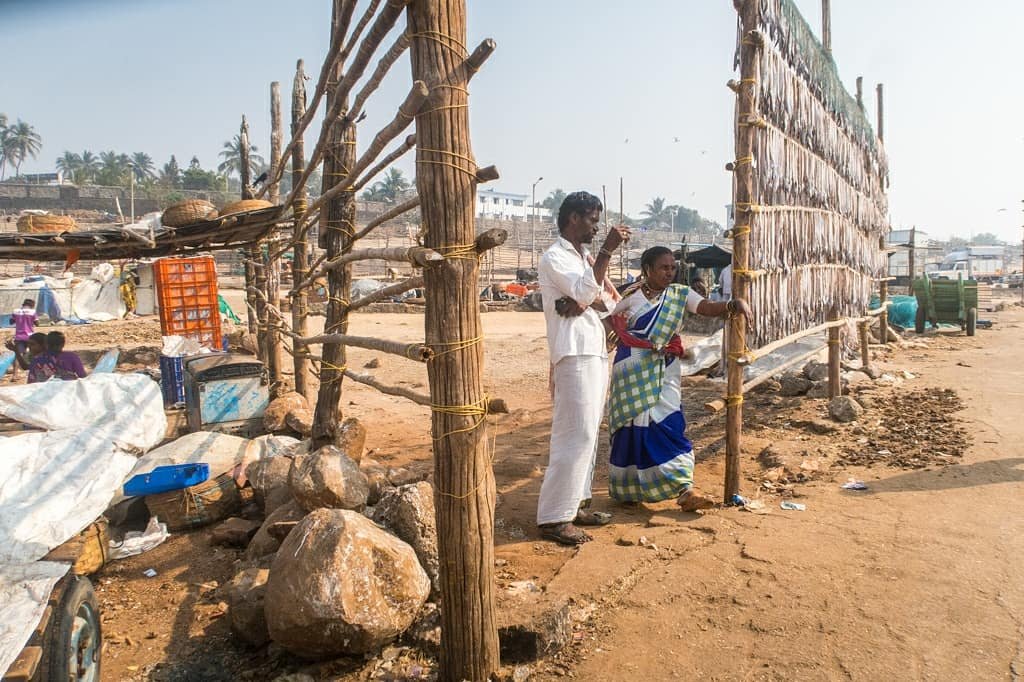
440 38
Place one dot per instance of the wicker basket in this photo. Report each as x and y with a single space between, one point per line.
188 212
46 224
244 206
87 551
198 505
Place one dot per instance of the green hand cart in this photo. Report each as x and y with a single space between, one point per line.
946 301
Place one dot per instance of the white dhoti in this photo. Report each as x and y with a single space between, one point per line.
581 384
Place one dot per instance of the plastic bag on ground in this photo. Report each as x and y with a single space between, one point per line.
136 542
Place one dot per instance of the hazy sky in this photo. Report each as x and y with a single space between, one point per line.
571 81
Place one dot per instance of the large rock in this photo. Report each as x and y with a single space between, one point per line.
376 478
234 532
300 421
269 480
844 409
792 384
408 512
263 543
342 585
328 478
351 439
276 414
819 389
245 595
816 371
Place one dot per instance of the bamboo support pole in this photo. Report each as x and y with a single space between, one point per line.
387 292
272 263
337 225
883 298
880 90
300 252
251 252
792 338
413 255
835 388
410 351
336 121
865 350
860 92
465 488
744 196
390 214
826 26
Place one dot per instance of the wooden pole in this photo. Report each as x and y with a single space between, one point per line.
622 220
337 227
881 112
911 260
465 491
252 252
300 252
860 92
276 134
883 296
826 26
744 200
835 388
272 263
865 351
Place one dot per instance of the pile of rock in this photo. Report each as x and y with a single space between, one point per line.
812 382
344 561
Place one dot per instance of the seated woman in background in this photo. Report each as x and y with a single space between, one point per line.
55 362
651 458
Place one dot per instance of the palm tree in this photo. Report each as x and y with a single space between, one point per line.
143 165
71 164
232 158
113 168
170 174
20 141
90 166
389 189
554 201
657 212
3 133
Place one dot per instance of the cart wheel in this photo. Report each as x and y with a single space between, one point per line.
972 321
72 640
919 320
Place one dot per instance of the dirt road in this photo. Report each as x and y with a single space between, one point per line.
921 577
917 578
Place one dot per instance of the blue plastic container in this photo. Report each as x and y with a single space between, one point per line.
172 380
166 478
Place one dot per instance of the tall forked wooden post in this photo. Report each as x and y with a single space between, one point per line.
826 26
745 203
835 388
271 262
250 253
883 285
465 492
337 227
300 252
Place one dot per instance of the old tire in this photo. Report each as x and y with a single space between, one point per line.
72 640
919 320
972 321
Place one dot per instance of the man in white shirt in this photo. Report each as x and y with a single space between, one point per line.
571 285
725 280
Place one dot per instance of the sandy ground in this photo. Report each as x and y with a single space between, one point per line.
916 578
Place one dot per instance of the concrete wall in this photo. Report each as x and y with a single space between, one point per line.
63 198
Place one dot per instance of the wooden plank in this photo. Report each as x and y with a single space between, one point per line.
24 667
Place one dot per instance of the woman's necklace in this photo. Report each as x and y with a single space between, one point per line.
649 292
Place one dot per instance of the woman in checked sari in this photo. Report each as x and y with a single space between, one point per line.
651 458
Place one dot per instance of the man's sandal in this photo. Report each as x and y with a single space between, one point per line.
592 518
564 534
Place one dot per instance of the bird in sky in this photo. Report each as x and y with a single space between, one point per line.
675 139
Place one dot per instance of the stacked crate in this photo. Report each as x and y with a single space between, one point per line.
187 294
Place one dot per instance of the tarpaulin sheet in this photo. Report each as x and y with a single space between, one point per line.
24 591
55 483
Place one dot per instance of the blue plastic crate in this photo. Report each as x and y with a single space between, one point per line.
166 478
172 380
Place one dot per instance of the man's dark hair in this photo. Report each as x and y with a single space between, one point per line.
39 338
652 254
577 202
55 342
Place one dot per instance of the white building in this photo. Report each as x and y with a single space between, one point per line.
505 206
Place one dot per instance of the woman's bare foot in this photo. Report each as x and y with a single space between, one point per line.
690 501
